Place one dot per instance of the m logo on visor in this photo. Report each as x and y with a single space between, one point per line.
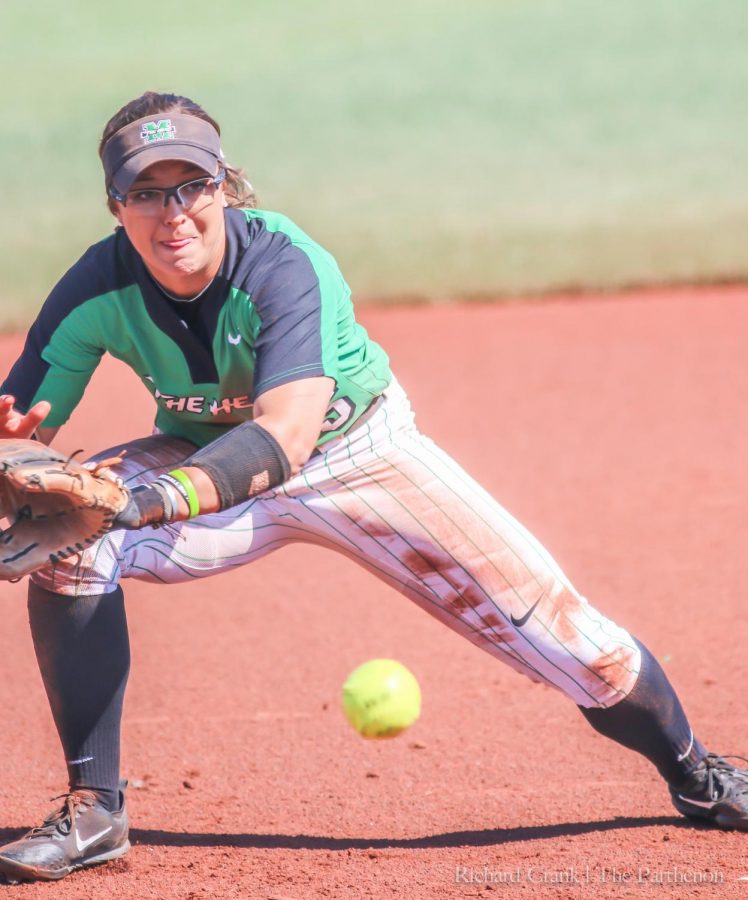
162 130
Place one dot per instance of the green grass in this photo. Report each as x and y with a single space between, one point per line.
437 149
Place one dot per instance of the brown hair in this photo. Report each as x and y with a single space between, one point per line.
239 192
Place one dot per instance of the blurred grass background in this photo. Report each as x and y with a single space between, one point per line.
497 147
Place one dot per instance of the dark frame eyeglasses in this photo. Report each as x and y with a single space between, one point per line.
163 194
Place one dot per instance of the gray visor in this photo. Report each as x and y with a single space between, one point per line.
174 136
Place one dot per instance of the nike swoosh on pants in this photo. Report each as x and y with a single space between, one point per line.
522 620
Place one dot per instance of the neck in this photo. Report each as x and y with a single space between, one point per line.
188 287
184 298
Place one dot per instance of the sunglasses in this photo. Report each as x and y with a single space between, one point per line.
150 201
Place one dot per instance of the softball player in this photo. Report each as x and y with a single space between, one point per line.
277 420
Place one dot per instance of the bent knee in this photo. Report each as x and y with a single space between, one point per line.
606 656
610 674
587 655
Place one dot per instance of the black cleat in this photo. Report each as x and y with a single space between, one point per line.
716 791
81 833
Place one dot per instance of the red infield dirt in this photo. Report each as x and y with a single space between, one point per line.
615 429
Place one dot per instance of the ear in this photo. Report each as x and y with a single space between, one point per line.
114 209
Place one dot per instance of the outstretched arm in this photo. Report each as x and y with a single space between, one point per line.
292 414
247 460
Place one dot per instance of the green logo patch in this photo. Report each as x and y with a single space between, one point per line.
162 130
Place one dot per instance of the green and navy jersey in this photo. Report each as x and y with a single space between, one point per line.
278 310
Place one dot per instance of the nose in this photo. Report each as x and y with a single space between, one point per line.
173 209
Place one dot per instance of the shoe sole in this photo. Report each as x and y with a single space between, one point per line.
14 872
713 817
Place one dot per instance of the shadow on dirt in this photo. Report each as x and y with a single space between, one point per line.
484 838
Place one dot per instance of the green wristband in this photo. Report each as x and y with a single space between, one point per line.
184 479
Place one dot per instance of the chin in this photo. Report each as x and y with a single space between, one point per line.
181 266
186 267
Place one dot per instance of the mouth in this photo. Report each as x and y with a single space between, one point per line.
176 243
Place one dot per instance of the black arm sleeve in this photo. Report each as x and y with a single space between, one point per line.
243 462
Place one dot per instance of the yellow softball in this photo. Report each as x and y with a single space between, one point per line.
381 698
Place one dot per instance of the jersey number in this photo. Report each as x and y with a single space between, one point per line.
338 414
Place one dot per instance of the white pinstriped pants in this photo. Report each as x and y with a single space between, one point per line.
388 498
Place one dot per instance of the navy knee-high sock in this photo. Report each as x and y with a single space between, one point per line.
83 650
651 721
